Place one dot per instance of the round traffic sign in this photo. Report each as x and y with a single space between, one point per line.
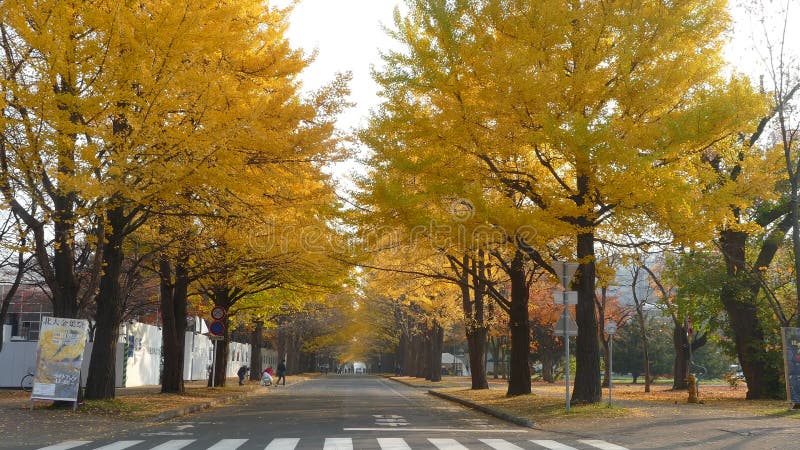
216 328
611 327
218 313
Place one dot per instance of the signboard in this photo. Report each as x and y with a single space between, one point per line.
218 313
791 361
565 272
571 326
217 328
59 355
565 297
611 327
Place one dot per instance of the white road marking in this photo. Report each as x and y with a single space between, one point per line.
393 444
601 444
553 445
119 445
500 444
283 444
481 430
338 444
228 444
174 444
183 427
65 445
447 444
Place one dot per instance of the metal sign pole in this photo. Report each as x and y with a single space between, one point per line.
566 364
610 369
213 362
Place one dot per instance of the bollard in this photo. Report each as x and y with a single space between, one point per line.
691 381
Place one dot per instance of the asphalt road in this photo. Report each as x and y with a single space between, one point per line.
363 412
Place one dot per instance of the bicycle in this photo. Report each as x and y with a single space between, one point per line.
26 384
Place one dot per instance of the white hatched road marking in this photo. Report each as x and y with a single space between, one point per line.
119 445
338 444
174 444
65 445
601 444
500 444
447 444
283 444
228 444
393 444
553 445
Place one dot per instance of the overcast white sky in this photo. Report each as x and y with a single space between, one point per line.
348 36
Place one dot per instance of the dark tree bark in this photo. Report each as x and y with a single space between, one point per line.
761 369
173 306
587 349
102 367
680 368
519 382
257 344
435 354
472 304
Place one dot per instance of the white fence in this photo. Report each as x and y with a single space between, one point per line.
138 356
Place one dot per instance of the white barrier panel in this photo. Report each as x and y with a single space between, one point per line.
197 358
143 357
16 359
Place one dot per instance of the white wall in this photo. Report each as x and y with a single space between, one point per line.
16 359
142 364
143 361
197 357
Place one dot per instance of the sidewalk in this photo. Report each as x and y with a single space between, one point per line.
552 415
133 408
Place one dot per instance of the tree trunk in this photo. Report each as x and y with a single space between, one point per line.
645 355
472 295
419 354
257 344
102 367
495 357
476 342
435 360
547 369
587 350
680 368
761 369
520 374
173 331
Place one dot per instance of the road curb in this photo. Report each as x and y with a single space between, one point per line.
521 421
186 410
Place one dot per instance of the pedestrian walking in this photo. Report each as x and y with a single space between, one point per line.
242 372
281 373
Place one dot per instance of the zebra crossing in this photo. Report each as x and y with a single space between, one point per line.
345 444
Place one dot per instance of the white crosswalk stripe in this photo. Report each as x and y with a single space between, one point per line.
601 444
552 445
336 444
228 444
174 444
393 444
283 444
500 444
447 444
119 445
